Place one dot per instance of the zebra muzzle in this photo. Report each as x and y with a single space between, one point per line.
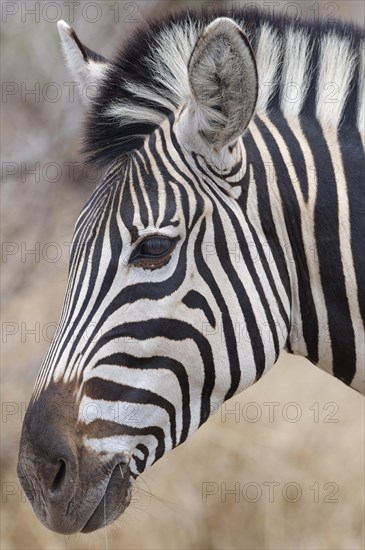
71 488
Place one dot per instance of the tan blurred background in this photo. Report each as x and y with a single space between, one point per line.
291 448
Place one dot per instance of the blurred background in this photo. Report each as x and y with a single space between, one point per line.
280 466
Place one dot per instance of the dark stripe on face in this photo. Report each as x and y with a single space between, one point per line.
195 300
83 239
90 211
141 464
156 363
137 183
247 310
104 428
179 150
77 267
267 223
171 329
139 291
329 256
241 293
98 388
115 241
170 205
150 177
127 210
98 241
234 170
228 329
185 205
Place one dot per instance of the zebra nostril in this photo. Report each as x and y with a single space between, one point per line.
59 477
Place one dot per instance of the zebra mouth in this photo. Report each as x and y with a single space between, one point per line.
114 501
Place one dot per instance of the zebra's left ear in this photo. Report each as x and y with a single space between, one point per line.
223 83
86 66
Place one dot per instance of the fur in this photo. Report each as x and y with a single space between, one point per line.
148 79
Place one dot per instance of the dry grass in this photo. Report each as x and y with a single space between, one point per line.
169 510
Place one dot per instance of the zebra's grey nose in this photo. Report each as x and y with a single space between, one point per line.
71 487
59 478
48 469
48 456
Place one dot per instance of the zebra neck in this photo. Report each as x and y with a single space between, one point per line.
305 213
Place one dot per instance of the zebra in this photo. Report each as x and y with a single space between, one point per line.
226 227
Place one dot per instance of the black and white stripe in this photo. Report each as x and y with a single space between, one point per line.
266 249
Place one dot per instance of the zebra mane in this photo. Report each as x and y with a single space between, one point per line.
315 68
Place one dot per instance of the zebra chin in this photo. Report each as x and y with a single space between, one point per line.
71 488
115 500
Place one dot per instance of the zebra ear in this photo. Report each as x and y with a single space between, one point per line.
86 66
223 83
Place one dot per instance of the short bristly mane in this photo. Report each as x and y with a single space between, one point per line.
304 68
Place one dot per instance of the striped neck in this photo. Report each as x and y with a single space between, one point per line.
298 168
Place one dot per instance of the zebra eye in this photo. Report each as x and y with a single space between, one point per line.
153 247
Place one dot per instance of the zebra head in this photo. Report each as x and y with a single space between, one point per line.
166 306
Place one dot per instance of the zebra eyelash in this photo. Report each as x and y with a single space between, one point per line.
140 258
